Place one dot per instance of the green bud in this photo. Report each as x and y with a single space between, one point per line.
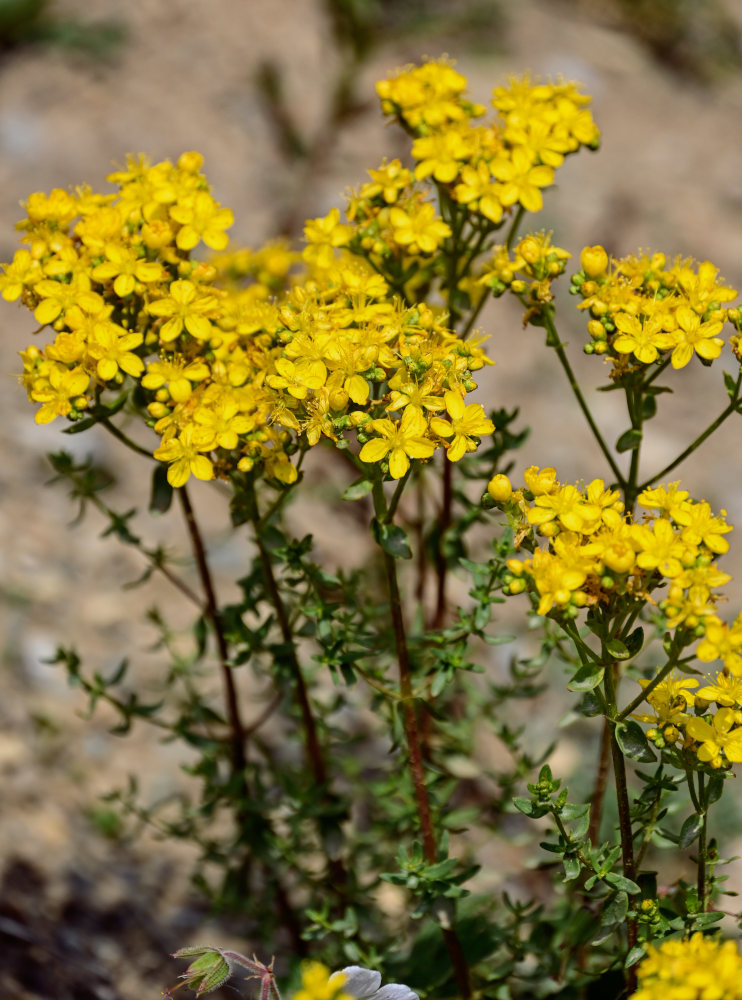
209 970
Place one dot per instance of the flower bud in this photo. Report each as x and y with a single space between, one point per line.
594 260
209 970
499 488
190 162
596 329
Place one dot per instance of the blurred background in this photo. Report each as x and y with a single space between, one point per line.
278 96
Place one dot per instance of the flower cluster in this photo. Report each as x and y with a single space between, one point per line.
240 362
483 172
528 271
596 552
696 968
490 166
644 310
682 717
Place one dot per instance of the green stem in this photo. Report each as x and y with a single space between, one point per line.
647 690
726 412
622 801
514 227
315 758
119 434
441 561
211 613
601 783
313 749
634 404
554 342
412 737
702 810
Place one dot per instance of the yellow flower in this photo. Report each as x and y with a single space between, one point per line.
387 181
540 481
58 297
643 340
726 690
111 347
23 272
317 983
466 424
298 378
717 737
697 968
521 180
324 236
177 374
722 642
693 335
418 229
126 268
660 548
401 441
58 392
201 218
186 306
440 155
184 455
478 191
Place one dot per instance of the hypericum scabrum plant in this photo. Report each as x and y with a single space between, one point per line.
359 768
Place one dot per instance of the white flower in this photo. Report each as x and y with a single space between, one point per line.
365 984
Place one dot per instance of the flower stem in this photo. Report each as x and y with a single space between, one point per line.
601 782
624 807
726 412
211 613
647 690
412 737
313 749
554 342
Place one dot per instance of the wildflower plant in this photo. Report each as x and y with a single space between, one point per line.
232 365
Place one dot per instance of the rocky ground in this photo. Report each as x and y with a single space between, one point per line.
82 916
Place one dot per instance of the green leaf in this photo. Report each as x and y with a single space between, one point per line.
360 488
572 868
621 882
636 954
590 705
615 912
616 649
630 737
649 407
689 831
730 384
161 495
715 787
586 678
629 440
635 641
579 830
526 806
391 538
